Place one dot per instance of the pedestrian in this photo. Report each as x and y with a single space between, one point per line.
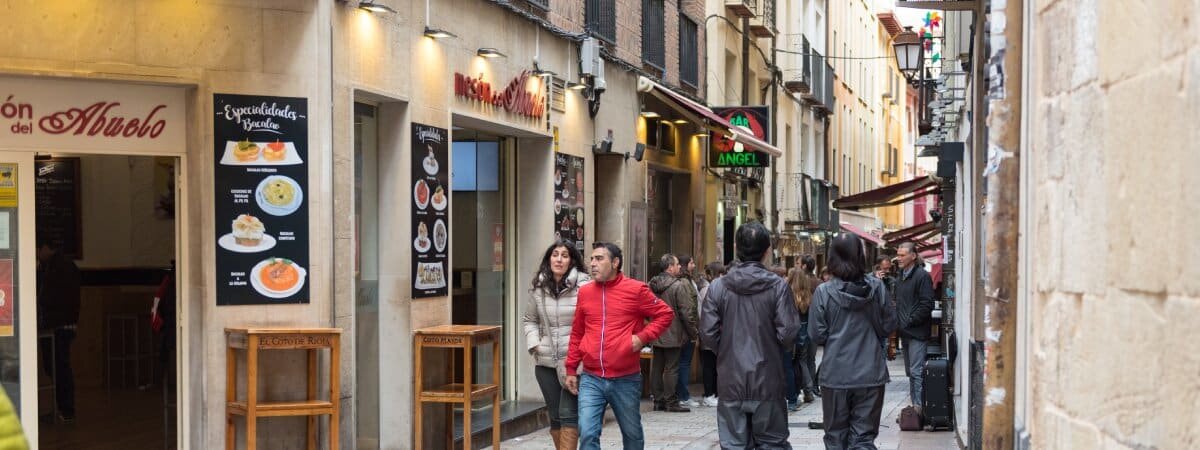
808 354
748 316
549 312
671 286
825 275
802 290
914 301
687 267
791 393
850 313
58 314
607 337
708 359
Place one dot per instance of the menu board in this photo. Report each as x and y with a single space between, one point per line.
568 199
260 177
430 210
56 193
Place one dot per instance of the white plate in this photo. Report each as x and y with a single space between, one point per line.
440 225
228 242
566 193
557 206
438 284
439 206
278 210
421 248
257 285
290 159
427 196
430 165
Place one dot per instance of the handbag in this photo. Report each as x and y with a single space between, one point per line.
156 322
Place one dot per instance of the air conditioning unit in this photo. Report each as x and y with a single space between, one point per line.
590 63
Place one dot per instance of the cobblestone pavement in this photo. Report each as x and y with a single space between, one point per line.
698 429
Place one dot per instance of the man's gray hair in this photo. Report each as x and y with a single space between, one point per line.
666 261
910 245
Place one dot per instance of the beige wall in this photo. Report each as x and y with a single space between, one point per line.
1114 299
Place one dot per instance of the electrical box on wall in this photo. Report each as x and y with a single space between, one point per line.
589 58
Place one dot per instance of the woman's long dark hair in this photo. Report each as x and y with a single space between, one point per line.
846 258
544 278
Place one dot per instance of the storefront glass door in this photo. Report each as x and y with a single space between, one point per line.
18 268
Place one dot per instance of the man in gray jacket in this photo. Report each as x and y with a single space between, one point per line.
676 291
914 301
748 315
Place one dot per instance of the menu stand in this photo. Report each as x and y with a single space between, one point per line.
254 339
465 337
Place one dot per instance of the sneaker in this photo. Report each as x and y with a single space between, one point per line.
793 406
808 397
690 403
676 407
710 401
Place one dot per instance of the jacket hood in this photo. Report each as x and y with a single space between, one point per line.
661 282
574 279
749 278
853 294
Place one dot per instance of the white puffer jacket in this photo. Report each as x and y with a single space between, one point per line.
547 321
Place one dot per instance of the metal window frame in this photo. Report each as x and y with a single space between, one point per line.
654 29
600 17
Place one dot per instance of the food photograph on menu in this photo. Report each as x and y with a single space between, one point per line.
262 226
568 199
430 214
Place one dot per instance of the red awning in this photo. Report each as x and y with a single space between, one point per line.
894 194
863 234
701 114
912 233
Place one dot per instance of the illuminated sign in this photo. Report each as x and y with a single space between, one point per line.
726 152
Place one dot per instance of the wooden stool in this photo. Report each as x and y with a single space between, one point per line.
254 339
465 337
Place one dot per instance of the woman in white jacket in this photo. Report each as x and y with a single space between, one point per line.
549 312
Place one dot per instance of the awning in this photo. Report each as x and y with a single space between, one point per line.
894 194
862 234
698 113
916 233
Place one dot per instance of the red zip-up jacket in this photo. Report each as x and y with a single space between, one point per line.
607 316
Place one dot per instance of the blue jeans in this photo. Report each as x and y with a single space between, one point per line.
914 367
685 371
624 394
789 375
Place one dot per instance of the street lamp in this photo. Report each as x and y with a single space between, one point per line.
907 46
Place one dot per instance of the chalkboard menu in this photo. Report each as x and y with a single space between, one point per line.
430 210
568 199
56 192
260 178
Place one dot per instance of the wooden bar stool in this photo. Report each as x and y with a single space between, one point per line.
465 337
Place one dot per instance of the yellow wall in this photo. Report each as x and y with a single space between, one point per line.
892 116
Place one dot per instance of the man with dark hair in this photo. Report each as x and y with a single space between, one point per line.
607 337
914 301
676 291
58 313
748 316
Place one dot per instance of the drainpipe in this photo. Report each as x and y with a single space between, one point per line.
774 135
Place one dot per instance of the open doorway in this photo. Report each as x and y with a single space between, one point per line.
106 301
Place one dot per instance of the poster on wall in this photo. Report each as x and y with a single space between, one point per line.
260 180
6 297
568 199
430 211
635 256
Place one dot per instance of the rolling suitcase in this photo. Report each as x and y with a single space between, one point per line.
937 406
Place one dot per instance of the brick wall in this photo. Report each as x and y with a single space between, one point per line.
1115 234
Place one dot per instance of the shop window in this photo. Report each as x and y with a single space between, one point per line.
475 166
366 271
689 67
652 129
653 34
601 16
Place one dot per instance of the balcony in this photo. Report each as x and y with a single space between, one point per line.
814 81
797 211
742 8
763 24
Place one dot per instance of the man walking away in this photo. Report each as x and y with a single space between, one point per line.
58 313
687 273
708 359
607 337
748 316
676 291
914 300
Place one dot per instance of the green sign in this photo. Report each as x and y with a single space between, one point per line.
743 159
725 152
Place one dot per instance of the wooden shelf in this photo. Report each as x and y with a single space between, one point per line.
279 409
453 393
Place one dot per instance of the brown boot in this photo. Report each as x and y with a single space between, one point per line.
569 438
556 436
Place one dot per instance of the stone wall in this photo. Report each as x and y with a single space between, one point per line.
1114 300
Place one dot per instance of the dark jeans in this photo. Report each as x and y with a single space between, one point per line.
744 424
708 370
624 394
805 364
685 371
562 406
664 374
789 375
59 364
851 417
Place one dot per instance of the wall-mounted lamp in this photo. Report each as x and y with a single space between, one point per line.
438 33
488 52
650 114
375 7
679 121
542 73
574 86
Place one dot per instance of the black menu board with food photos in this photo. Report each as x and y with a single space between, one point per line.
430 210
58 216
261 215
568 199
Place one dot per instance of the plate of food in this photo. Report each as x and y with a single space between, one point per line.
247 153
566 192
421 194
248 236
439 235
558 177
277 277
557 206
278 195
422 243
439 198
430 276
430 162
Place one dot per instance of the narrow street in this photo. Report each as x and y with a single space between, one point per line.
697 430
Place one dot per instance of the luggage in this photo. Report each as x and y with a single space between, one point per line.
910 419
937 405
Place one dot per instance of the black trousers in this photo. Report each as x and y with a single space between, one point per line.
708 370
562 406
664 374
60 366
753 424
851 417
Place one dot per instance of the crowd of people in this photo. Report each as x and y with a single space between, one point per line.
757 327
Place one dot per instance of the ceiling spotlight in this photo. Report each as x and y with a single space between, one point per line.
375 7
438 33
650 114
488 52
576 86
679 121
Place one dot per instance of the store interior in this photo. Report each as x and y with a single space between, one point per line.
112 217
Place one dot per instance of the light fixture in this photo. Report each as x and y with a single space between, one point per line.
542 73
488 52
438 33
679 121
650 114
375 7
574 86
907 47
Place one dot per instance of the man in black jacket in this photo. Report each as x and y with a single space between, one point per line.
748 316
914 300
58 312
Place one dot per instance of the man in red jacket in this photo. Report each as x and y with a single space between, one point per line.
607 337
